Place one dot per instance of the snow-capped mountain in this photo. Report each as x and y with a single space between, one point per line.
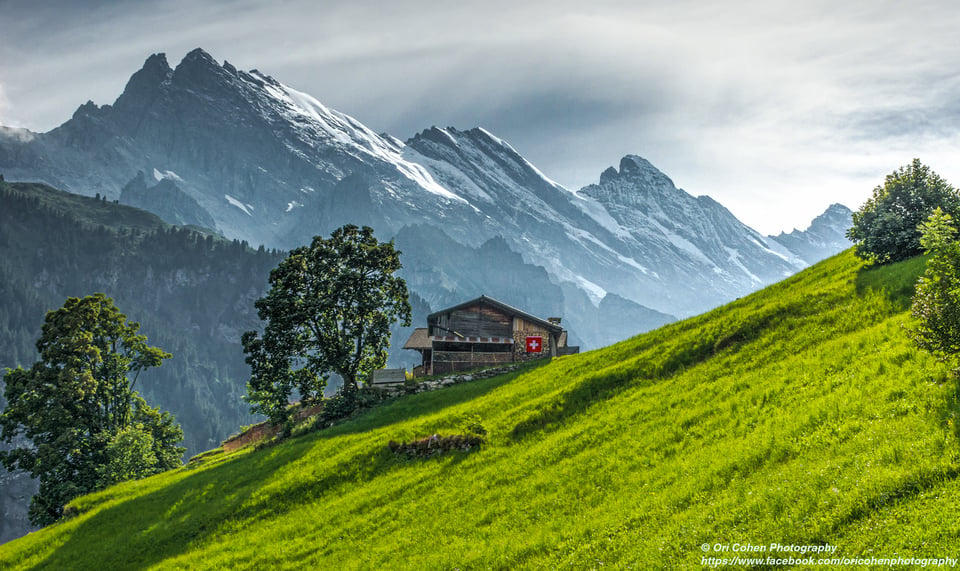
251 151
263 162
682 241
825 236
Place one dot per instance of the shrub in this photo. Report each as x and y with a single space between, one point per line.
435 445
936 303
474 425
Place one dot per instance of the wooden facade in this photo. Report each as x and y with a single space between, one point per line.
483 332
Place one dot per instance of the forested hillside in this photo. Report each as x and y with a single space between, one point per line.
192 293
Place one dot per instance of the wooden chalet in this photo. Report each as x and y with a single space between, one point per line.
484 332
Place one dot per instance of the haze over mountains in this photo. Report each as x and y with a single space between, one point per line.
209 145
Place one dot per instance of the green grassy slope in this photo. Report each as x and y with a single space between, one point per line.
801 414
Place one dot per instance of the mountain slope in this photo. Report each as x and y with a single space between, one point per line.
799 415
634 233
194 295
263 162
250 150
683 242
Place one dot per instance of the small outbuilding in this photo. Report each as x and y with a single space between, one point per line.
484 332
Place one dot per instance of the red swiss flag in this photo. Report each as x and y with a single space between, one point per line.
534 344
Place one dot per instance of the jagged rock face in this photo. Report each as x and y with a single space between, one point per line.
262 159
166 200
633 234
537 217
693 248
16 489
274 166
826 235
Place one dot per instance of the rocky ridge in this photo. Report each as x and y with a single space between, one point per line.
274 166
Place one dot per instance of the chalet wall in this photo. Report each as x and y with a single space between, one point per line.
478 320
521 329
445 362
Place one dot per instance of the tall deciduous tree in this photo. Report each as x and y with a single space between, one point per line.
329 310
885 229
77 406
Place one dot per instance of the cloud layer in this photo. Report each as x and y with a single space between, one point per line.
774 108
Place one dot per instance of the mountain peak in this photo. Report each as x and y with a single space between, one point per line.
836 215
87 108
836 209
273 165
609 175
637 171
483 134
199 67
826 235
198 56
438 135
451 136
157 64
144 85
634 164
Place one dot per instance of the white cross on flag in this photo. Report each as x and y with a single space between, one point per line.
534 344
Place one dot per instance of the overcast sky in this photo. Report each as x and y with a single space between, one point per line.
774 108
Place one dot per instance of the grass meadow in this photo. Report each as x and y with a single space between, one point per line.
799 415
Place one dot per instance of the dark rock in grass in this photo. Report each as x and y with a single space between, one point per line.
435 445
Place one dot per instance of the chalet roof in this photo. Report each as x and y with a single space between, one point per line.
508 309
419 339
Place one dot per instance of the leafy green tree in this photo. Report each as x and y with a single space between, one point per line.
886 228
130 456
936 303
165 432
328 310
74 403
